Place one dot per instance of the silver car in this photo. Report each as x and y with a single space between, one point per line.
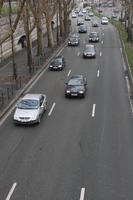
30 109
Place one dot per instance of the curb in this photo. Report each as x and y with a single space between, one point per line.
128 72
32 80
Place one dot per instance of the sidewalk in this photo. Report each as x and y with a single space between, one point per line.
8 87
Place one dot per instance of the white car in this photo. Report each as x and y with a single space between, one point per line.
104 20
91 14
74 15
84 11
30 109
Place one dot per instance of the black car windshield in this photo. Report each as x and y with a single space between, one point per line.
56 62
76 82
93 35
28 104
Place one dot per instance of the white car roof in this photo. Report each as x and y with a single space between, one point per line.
89 45
33 96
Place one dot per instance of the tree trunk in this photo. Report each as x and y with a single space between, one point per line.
49 33
30 60
129 29
62 30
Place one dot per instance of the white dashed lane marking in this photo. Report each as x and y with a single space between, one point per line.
11 191
98 73
93 110
100 53
51 110
82 194
69 73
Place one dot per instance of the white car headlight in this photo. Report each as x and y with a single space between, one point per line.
59 66
50 66
67 91
81 91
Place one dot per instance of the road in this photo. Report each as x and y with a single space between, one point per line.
83 148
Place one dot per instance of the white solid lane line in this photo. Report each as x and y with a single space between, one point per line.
69 73
82 194
93 110
98 73
102 42
100 53
51 110
11 191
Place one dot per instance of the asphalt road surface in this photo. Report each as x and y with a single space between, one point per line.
83 148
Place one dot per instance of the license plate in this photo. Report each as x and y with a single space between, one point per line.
74 94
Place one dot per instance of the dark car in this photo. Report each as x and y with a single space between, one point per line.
95 23
82 29
89 51
93 37
73 41
75 35
76 86
57 63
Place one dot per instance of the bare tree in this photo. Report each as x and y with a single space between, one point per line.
36 8
49 14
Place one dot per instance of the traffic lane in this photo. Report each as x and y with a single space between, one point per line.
80 110
113 178
25 144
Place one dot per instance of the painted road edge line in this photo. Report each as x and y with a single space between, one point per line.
69 73
11 191
98 73
82 194
93 110
51 110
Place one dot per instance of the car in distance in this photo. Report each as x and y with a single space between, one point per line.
93 37
80 14
84 11
74 15
75 35
57 64
89 51
104 20
30 109
82 29
87 18
91 14
80 22
95 23
76 86
73 41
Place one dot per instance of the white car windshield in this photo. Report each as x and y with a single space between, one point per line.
28 104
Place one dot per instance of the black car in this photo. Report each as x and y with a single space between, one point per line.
73 41
89 52
93 37
57 63
82 29
76 86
